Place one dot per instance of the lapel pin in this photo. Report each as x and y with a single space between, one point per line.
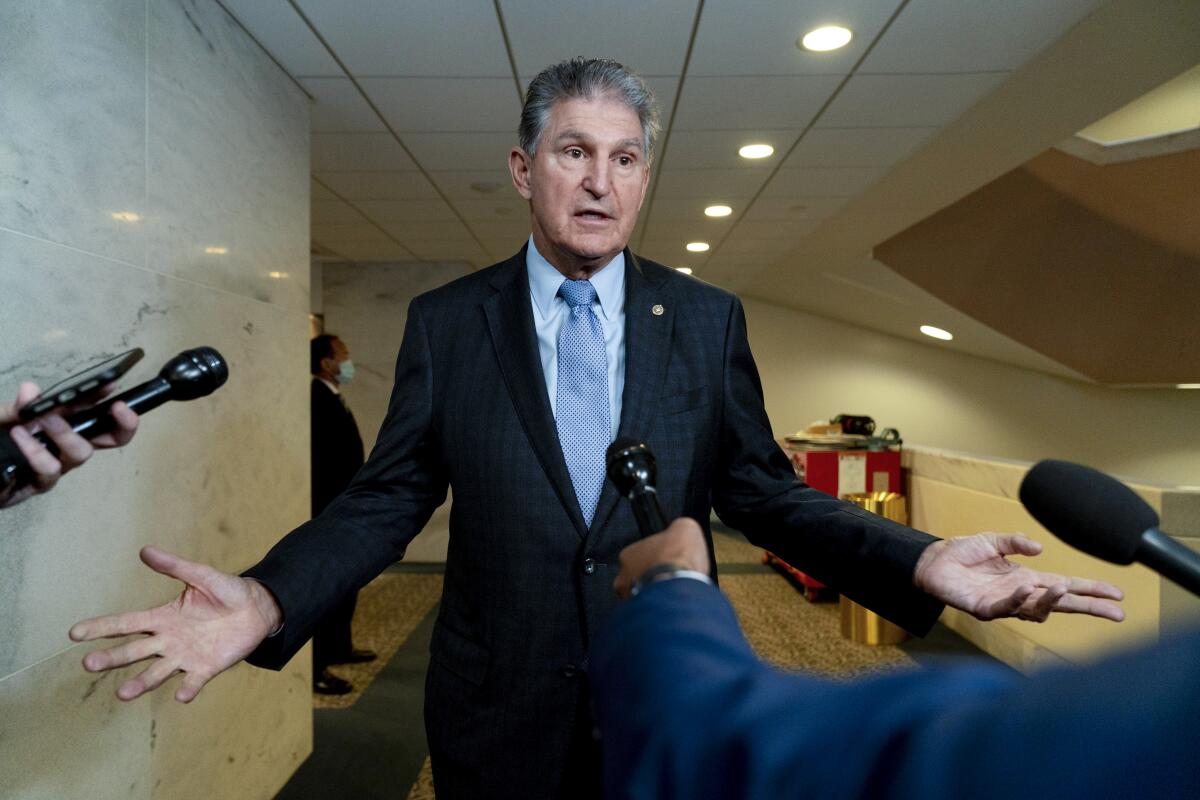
656 310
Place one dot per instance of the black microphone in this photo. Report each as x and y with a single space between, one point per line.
191 374
632 470
1105 518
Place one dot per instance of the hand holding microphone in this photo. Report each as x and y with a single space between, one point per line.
32 462
678 547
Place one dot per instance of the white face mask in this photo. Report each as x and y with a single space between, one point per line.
345 372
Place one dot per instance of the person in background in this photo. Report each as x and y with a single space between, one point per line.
73 449
337 454
686 710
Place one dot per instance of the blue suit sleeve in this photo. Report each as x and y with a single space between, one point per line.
686 710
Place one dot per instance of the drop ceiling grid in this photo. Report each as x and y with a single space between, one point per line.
453 107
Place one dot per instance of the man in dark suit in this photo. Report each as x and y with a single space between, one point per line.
337 454
510 383
687 711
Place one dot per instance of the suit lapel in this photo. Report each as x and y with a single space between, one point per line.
647 350
510 321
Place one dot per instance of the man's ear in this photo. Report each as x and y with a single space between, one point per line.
520 164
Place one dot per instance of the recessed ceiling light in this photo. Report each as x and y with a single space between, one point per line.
822 40
756 151
1188 386
126 216
697 247
718 211
216 251
936 333
684 270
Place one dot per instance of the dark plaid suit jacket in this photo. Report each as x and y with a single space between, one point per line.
526 581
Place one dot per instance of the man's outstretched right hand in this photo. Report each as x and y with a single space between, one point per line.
216 622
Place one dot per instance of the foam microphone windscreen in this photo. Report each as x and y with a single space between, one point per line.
1087 509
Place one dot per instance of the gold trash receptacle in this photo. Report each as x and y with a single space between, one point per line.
858 623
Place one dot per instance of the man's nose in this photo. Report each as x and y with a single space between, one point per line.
598 178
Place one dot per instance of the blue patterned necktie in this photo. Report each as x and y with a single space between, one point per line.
581 407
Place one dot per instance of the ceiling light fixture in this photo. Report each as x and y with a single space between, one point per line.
822 40
936 333
697 247
756 151
684 270
1187 386
718 211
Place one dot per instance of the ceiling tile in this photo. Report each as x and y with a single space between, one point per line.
650 38
823 181
334 152
743 103
361 231
486 185
495 208
278 28
683 209
749 248
501 249
973 35
701 230
449 230
447 250
324 211
446 104
449 38
379 185
908 101
857 147
719 149
318 192
461 151
735 40
670 252
370 251
338 106
382 211
785 208
791 230
513 231
706 183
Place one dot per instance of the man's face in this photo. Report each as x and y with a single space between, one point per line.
586 184
340 353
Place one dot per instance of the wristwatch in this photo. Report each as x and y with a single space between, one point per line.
666 572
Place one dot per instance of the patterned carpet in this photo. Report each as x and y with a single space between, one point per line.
783 627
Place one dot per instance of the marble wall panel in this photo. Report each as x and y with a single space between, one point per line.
217 479
64 734
73 122
227 158
206 749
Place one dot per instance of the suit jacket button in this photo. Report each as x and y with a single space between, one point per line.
589 566
568 670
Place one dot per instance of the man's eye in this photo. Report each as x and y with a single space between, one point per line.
574 152
625 161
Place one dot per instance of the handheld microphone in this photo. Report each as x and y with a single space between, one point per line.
191 374
1105 518
632 470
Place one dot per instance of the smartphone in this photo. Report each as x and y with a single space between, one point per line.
80 385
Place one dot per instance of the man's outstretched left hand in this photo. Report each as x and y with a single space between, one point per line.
972 574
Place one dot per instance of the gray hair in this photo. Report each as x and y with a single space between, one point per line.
586 78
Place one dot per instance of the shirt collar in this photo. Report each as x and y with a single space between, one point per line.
544 280
333 387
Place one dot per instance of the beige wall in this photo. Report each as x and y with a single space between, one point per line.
163 109
813 368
